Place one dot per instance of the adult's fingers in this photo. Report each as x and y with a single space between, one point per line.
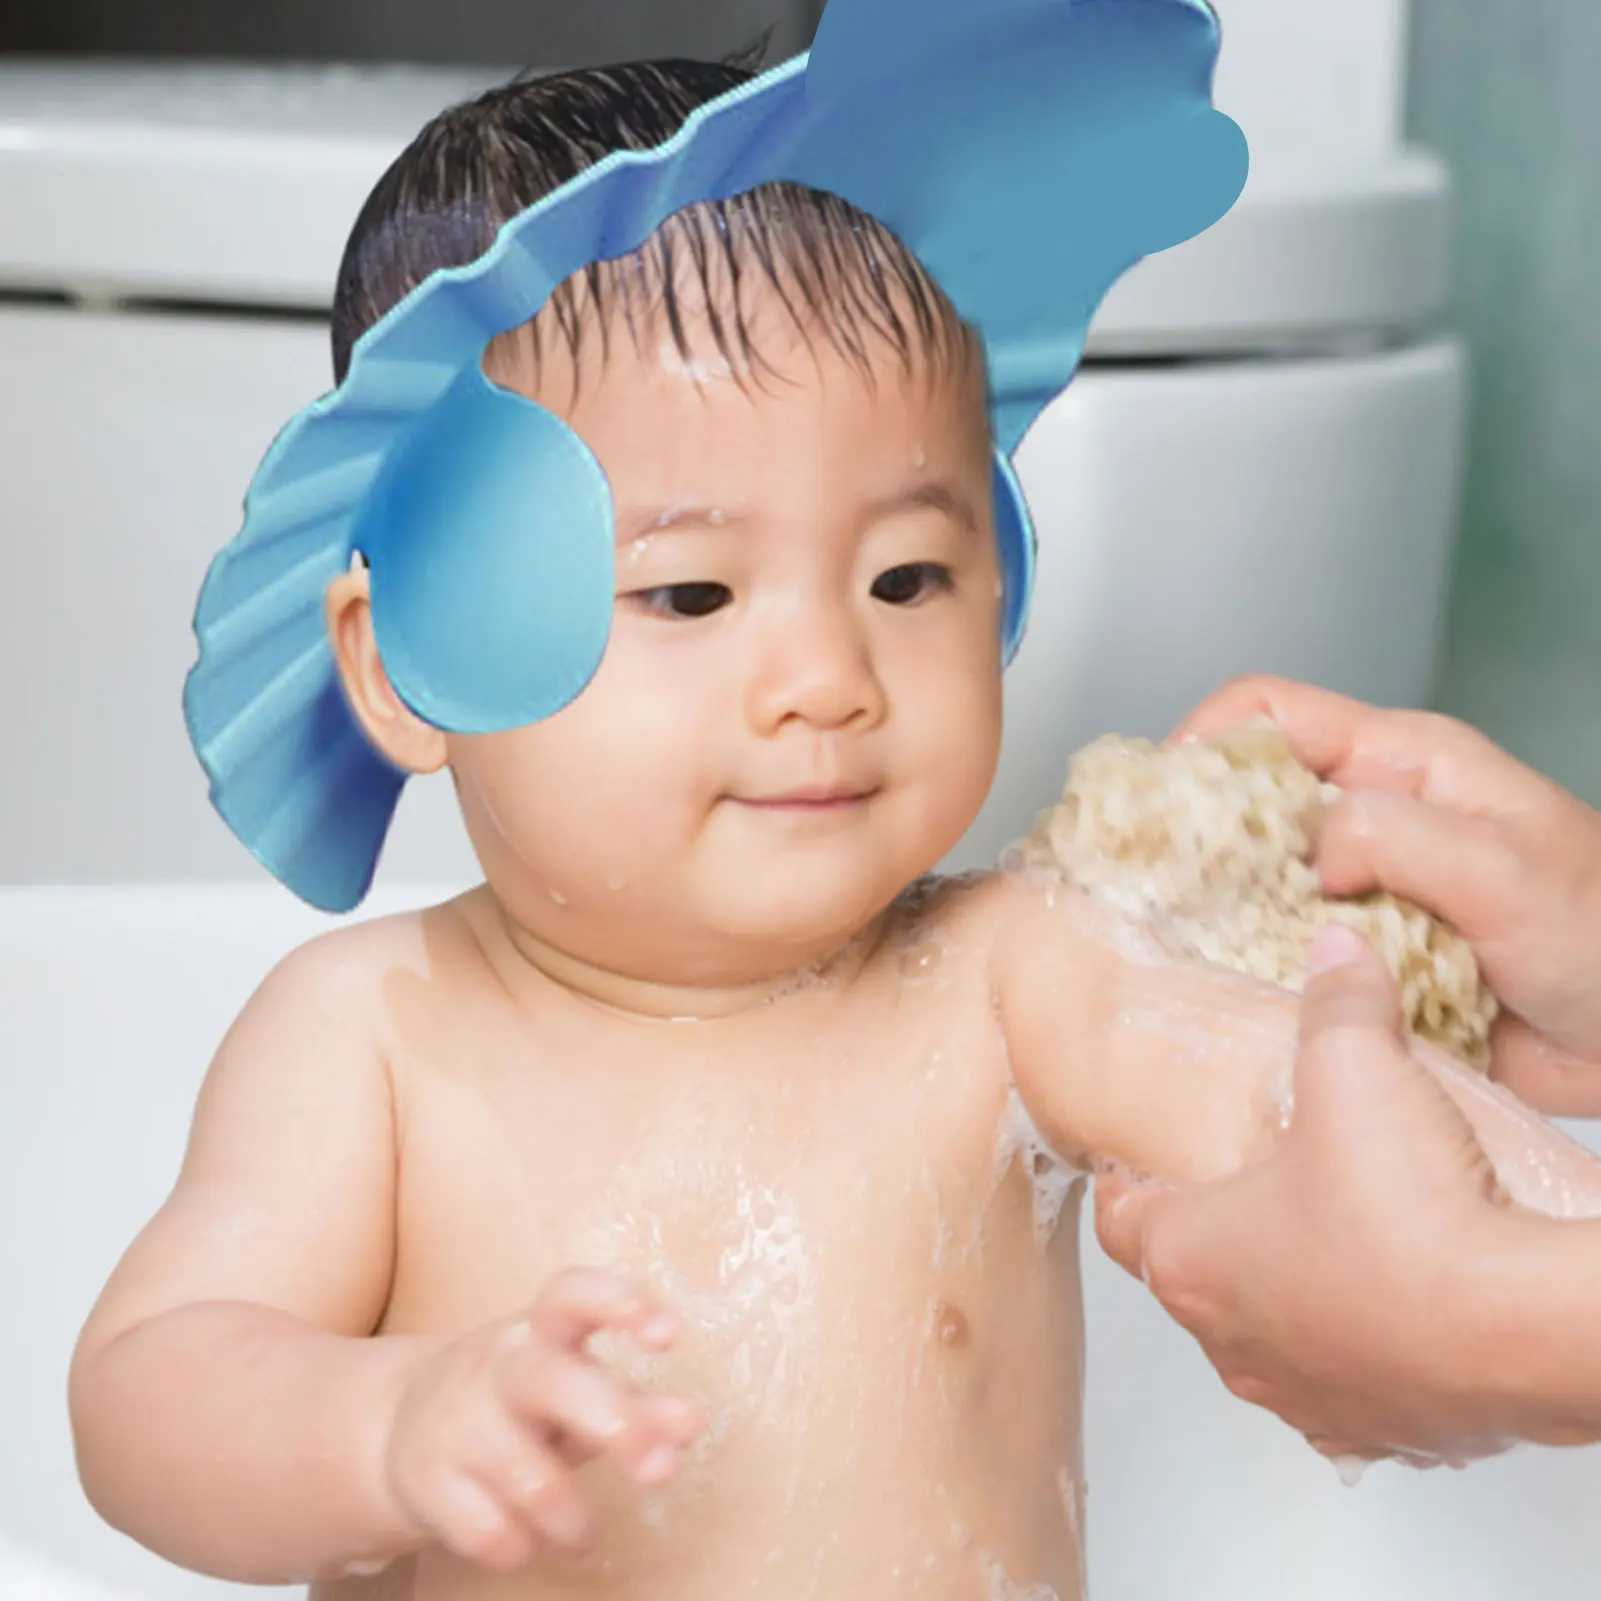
1124 1210
1464 869
1526 897
1550 1079
1167 1239
1320 724
1355 745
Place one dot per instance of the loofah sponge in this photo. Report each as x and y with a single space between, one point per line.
1208 842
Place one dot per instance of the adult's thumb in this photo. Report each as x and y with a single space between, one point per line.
1124 1210
1356 1078
1350 1010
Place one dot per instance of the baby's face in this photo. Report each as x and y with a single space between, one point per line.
799 709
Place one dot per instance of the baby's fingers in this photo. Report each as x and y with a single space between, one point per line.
584 1412
677 1422
583 1301
546 1499
469 1520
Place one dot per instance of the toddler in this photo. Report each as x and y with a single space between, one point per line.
690 1211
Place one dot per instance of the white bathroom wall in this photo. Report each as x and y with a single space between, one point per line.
1507 90
125 443
1314 82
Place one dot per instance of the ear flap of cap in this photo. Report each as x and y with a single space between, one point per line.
1015 544
489 535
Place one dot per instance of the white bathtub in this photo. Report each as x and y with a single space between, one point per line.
111 1002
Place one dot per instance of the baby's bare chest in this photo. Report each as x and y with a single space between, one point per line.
799 1168
879 1313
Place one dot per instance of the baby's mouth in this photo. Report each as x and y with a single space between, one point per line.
809 798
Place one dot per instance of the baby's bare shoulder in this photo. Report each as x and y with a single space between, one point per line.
292 1144
954 903
959 912
324 1011
355 960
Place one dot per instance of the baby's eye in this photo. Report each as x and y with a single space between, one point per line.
685 600
914 581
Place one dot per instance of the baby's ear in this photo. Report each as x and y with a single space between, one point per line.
396 732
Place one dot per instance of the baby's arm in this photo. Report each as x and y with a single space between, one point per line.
1181 1070
227 1404
232 1408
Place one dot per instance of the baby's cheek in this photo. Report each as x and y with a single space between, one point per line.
971 743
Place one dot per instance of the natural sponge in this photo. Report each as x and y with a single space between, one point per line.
1208 842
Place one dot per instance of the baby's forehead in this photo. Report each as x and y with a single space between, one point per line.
672 314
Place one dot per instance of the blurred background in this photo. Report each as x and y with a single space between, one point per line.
1352 434
1506 91
544 33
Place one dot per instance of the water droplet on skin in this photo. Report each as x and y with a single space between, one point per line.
557 896
614 883
716 516
919 457
921 961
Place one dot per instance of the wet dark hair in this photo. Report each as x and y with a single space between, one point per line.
477 165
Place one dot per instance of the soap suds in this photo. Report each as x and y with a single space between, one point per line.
1050 1176
999 1585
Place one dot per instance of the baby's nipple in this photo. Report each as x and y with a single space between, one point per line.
951 1327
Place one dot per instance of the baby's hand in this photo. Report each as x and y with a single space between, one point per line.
488 1430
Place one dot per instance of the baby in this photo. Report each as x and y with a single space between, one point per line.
690 1211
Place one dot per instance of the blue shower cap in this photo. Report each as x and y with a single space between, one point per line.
1028 152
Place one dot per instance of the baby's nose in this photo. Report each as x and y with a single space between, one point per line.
815 666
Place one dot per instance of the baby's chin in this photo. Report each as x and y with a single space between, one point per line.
797 916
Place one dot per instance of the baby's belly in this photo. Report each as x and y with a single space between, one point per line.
877 1431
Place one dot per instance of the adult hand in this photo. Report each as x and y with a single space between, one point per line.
1362 1282
1434 812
